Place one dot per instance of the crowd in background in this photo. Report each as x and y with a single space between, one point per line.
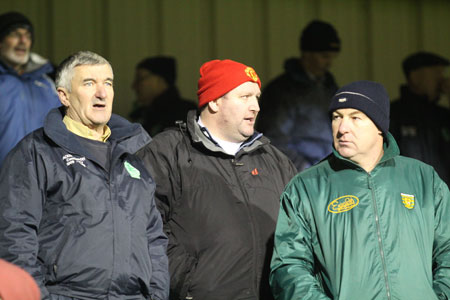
188 202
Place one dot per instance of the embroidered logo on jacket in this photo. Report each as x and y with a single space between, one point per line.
343 204
70 160
132 170
255 172
408 200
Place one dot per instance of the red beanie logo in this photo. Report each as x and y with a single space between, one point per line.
252 74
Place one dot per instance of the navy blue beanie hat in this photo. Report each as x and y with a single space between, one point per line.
12 20
319 36
367 96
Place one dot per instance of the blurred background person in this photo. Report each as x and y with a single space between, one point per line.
27 93
294 105
17 284
420 126
158 104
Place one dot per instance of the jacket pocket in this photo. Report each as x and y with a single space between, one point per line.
56 255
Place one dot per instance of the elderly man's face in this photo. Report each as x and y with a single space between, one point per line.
91 98
355 136
15 48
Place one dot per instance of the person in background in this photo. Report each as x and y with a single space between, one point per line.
27 93
365 223
158 103
294 105
77 207
16 284
420 126
218 185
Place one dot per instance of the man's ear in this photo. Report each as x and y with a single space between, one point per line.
63 96
214 105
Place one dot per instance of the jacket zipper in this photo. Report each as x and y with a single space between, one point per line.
380 243
252 225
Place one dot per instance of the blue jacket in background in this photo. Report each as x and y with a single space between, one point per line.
25 100
294 114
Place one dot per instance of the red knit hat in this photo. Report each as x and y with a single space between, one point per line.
17 284
218 77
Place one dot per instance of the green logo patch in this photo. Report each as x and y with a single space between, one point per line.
132 170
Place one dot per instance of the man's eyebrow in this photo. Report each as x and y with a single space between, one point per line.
92 79
355 113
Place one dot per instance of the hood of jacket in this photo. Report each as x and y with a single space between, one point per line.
35 67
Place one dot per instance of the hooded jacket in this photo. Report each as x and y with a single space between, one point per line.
219 211
25 100
79 229
343 233
294 114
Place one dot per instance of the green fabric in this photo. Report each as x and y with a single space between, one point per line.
388 238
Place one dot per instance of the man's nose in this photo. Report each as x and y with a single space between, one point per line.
100 92
254 106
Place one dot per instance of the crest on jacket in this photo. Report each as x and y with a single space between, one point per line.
132 170
408 200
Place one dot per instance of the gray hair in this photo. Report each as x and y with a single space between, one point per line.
65 71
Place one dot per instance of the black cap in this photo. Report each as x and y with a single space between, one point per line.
319 36
367 96
13 20
163 66
422 59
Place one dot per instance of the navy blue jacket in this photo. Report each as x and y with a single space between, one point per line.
82 231
25 100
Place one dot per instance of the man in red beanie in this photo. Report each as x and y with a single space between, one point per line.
16 284
218 188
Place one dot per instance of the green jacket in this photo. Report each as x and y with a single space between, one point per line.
343 233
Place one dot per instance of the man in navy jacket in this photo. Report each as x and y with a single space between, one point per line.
76 205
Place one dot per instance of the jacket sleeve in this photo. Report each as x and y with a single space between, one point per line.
161 163
21 203
157 244
292 268
441 246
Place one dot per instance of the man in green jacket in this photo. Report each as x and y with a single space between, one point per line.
365 223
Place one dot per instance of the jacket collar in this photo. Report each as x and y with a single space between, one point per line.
255 141
129 137
390 148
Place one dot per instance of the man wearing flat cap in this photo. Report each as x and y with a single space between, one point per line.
218 188
421 126
27 94
365 223
294 105
159 103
